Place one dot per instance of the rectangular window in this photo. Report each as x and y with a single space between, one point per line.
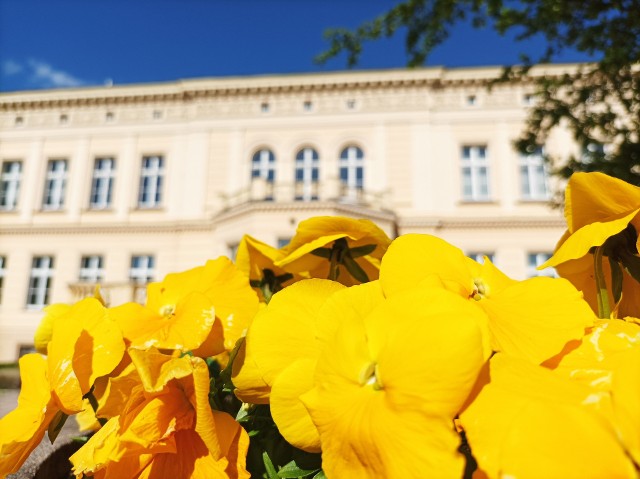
102 183
142 269
533 177
151 179
91 269
10 184
55 184
282 242
475 173
478 257
40 281
3 267
536 259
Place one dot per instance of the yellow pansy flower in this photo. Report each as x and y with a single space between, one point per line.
281 349
23 428
601 211
205 309
167 427
85 344
389 383
325 247
532 319
43 333
529 423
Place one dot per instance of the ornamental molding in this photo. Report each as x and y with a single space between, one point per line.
188 91
489 222
308 207
102 228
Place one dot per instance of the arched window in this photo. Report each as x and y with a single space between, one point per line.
263 165
307 174
351 170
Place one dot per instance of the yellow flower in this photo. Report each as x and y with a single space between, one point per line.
43 334
343 249
530 423
23 428
167 428
281 349
205 309
601 211
86 344
257 261
532 319
390 381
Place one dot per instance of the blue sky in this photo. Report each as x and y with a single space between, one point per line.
68 43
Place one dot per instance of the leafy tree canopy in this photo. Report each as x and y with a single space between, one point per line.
599 102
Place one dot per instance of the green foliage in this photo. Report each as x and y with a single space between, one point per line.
598 102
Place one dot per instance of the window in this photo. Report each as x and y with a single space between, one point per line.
142 269
351 170
10 184
265 107
307 106
475 173
232 249
472 100
102 183
156 114
3 267
263 165
64 119
40 281
109 117
479 257
536 259
307 174
19 121
533 177
55 183
91 269
350 104
282 242
151 179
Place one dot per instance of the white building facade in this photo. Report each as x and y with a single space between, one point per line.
121 185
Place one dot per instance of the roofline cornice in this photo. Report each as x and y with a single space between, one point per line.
184 91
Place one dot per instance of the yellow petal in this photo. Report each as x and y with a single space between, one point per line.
529 423
534 319
288 411
22 429
411 258
286 329
596 197
247 379
45 328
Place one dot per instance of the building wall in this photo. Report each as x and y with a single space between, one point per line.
411 126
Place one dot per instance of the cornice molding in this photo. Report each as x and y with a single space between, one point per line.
519 222
102 228
186 91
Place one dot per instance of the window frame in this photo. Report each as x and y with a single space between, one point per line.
154 173
531 166
55 185
10 184
40 281
475 163
307 167
148 268
93 271
351 166
101 196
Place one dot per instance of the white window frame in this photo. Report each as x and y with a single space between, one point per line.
144 271
351 161
102 179
10 177
478 257
152 170
534 185
263 165
535 259
55 185
475 164
307 162
40 282
91 269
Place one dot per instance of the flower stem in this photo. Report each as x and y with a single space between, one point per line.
604 309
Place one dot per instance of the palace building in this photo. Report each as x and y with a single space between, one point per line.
120 185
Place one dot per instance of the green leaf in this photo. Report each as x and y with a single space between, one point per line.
322 252
320 475
631 264
362 250
354 269
55 426
616 279
268 465
291 470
